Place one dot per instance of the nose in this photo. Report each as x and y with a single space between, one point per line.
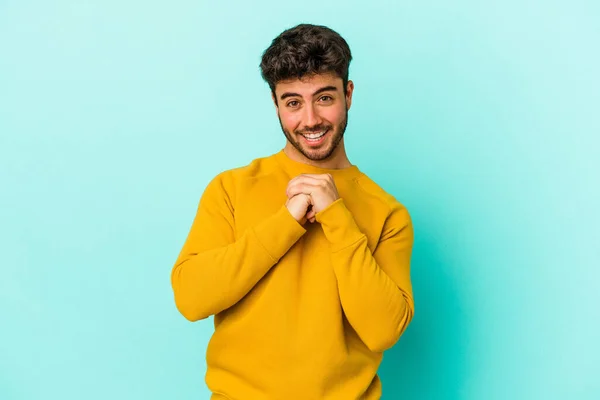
311 117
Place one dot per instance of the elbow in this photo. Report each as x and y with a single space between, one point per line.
187 301
189 304
190 311
378 346
385 337
381 341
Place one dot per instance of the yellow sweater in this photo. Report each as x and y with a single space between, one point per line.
301 312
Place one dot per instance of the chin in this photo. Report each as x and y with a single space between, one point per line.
319 154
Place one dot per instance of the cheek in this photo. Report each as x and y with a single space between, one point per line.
334 115
289 121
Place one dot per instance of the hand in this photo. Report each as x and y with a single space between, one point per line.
319 187
298 206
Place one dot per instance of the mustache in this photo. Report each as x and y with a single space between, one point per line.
316 129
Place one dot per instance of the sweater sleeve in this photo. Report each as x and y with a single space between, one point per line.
374 287
213 270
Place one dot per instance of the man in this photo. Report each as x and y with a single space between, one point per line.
302 259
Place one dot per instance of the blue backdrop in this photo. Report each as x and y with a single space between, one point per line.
481 117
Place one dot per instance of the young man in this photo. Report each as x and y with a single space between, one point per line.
302 259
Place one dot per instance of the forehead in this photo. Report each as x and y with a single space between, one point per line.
308 84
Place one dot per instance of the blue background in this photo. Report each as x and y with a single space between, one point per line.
481 117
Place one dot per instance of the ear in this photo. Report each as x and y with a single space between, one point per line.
349 91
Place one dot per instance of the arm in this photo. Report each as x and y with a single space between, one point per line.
213 270
375 288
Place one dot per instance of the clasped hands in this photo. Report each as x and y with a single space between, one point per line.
308 194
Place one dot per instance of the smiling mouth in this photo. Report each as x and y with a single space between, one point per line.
314 139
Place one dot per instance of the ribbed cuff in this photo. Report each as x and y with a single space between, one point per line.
338 225
278 233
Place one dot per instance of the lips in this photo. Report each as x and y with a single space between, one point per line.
315 142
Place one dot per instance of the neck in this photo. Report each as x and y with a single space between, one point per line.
337 160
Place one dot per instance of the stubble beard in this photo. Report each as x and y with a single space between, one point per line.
318 154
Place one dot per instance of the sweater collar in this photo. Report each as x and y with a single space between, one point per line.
294 168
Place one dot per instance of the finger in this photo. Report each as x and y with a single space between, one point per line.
322 180
303 188
300 177
294 182
315 176
308 201
309 178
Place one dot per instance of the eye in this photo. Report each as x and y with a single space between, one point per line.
326 98
293 103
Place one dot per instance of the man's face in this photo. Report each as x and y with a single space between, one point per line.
313 113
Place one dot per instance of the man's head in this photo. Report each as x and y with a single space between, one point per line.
306 68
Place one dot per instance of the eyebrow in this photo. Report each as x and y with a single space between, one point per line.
323 89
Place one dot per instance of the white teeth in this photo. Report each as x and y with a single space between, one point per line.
314 135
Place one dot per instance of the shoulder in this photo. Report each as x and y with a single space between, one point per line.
255 168
395 208
373 189
229 180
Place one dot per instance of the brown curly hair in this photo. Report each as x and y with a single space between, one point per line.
305 50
